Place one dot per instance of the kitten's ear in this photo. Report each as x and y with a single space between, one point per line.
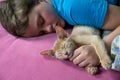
47 52
61 33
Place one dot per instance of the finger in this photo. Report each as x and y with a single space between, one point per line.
84 63
75 54
79 59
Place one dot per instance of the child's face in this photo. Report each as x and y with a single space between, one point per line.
42 20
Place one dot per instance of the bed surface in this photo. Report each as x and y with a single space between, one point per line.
20 60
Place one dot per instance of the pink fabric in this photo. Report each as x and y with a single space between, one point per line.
20 60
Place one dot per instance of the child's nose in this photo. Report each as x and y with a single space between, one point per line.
49 29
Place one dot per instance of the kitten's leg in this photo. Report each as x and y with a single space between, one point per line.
101 51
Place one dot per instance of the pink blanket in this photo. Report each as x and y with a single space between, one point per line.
20 60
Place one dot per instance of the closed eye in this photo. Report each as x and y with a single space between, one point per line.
62 46
41 33
40 20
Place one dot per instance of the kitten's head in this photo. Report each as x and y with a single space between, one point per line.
63 47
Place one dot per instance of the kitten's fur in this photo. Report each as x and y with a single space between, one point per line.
81 35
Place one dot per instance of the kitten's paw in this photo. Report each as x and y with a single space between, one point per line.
91 69
106 63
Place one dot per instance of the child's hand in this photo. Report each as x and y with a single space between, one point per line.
85 55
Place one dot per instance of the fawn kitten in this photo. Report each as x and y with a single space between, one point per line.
65 45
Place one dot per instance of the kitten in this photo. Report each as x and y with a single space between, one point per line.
65 45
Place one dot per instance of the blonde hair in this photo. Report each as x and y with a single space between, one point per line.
14 15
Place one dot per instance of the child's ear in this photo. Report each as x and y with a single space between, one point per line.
47 52
61 33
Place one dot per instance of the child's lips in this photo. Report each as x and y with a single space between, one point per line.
59 23
54 25
52 28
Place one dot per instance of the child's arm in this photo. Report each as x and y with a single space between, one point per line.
108 39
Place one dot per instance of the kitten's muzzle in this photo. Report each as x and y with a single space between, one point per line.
63 55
